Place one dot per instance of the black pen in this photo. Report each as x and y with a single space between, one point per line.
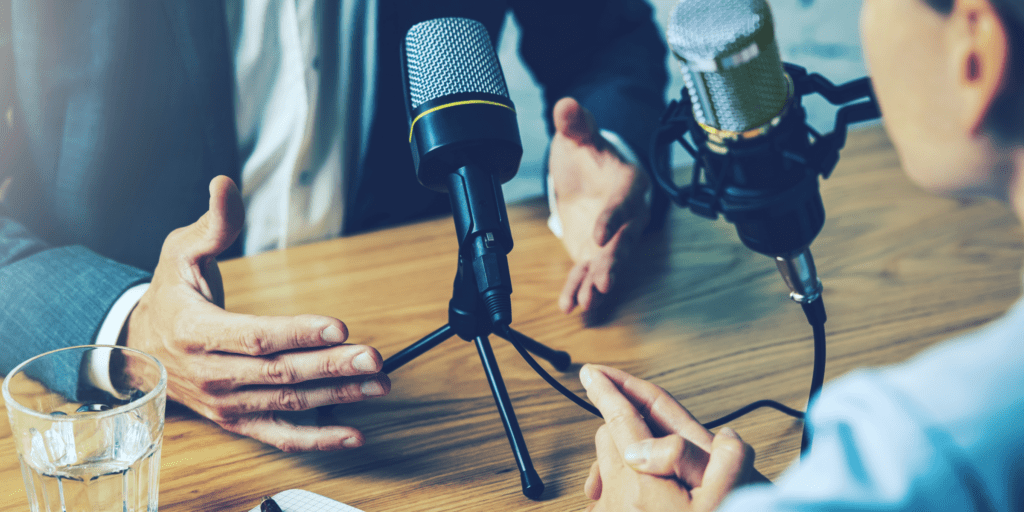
269 505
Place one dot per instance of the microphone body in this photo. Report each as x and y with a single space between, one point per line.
465 141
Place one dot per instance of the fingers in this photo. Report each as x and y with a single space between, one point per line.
567 301
592 487
261 399
264 335
669 456
270 429
625 425
586 283
288 368
730 461
218 228
602 268
617 211
661 410
575 122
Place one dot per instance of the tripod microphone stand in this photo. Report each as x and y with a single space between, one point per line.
466 321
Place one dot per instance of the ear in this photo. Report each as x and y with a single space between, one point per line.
980 49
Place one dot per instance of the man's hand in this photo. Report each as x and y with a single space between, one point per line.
687 469
237 370
601 202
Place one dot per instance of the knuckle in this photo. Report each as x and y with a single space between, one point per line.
253 343
289 399
347 393
621 417
278 371
677 445
330 367
289 446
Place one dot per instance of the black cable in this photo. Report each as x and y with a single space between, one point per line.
756 405
815 313
512 337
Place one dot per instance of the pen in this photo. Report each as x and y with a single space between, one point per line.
269 505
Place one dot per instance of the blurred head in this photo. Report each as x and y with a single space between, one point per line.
949 76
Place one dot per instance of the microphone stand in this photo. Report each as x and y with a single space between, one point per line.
468 319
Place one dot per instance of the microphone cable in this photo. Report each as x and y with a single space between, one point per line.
816 317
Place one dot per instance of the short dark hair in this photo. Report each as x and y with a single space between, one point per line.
1005 120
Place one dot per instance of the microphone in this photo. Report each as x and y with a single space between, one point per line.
739 94
465 141
756 161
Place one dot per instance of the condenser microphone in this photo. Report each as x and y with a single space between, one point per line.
743 101
465 141
755 159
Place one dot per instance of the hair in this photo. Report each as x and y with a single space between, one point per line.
1005 120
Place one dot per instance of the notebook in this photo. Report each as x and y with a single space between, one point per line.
297 500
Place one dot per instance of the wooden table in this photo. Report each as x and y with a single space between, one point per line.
699 315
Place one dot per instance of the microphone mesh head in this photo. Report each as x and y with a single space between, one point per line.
449 56
731 63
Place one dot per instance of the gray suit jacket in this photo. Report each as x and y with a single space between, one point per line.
122 111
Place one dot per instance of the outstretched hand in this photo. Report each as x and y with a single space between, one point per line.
652 454
236 369
601 202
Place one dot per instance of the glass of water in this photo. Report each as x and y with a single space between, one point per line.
88 425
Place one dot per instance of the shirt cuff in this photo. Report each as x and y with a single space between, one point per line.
110 331
627 155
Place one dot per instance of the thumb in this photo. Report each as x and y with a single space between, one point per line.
730 462
575 122
218 228
669 456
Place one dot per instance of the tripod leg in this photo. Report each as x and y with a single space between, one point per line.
532 485
412 351
559 360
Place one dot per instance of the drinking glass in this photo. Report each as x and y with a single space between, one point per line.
88 425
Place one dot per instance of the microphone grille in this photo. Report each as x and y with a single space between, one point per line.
731 64
449 56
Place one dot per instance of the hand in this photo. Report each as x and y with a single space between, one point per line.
601 202
701 468
235 369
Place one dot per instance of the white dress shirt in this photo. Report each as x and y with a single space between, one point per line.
301 129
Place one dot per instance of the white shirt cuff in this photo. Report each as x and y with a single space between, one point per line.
627 155
110 331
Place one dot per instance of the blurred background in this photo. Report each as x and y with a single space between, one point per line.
821 35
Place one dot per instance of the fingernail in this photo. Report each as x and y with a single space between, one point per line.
636 453
728 432
371 388
585 377
352 442
365 363
331 334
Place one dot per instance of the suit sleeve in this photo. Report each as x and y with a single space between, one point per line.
50 297
608 54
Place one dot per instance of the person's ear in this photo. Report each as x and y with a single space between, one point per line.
979 52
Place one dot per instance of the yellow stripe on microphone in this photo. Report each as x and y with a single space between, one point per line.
455 104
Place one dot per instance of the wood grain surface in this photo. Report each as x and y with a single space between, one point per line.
697 313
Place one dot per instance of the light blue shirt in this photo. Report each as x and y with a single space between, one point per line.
940 432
